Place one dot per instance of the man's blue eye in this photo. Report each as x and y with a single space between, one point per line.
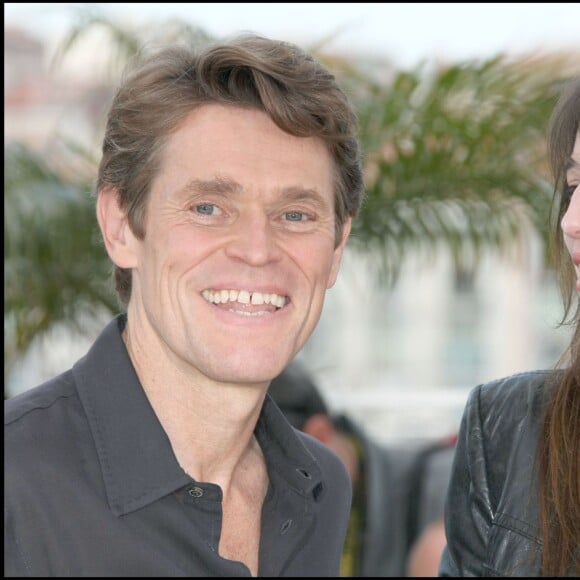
205 208
294 216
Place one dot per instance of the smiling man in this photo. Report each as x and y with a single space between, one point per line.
226 191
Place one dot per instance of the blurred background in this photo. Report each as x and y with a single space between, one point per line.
447 281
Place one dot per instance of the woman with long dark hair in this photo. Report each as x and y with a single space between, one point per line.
513 505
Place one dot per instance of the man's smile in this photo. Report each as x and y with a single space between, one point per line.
246 302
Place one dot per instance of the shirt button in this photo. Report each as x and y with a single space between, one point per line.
195 491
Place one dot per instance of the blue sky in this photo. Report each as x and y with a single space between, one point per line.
405 32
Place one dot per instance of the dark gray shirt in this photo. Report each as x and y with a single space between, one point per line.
93 488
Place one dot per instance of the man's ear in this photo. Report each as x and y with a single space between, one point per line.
337 258
117 235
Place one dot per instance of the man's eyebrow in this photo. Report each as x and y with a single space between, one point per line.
220 185
296 193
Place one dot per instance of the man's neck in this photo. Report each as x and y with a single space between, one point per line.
209 425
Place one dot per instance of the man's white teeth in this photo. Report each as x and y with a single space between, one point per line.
243 297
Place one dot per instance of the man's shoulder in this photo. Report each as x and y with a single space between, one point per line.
23 407
63 387
40 432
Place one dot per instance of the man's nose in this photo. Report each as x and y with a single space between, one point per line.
254 240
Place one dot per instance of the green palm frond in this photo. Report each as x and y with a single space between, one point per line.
455 158
55 269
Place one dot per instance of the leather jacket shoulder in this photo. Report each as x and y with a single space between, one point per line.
491 507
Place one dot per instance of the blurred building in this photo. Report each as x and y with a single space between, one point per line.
400 359
42 106
403 359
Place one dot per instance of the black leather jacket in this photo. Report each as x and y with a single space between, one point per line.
492 505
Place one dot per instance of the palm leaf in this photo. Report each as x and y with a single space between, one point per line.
454 158
55 269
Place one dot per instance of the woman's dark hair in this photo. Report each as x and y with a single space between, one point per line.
559 444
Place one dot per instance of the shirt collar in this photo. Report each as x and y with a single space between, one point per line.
286 453
137 460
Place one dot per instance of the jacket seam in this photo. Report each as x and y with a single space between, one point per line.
518 530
